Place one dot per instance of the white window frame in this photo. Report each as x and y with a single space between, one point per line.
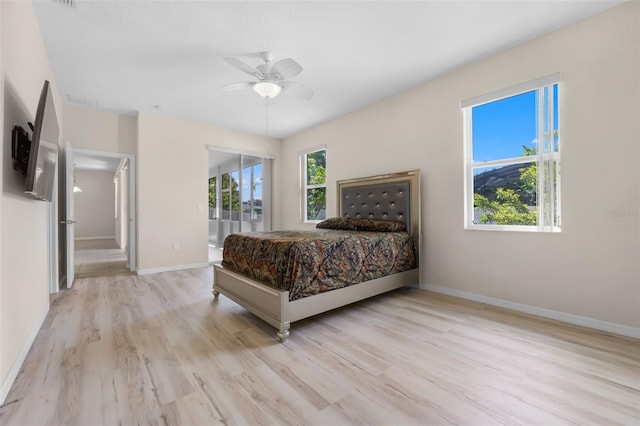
545 158
303 180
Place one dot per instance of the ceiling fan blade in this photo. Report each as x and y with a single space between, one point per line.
285 69
298 90
237 86
263 68
236 63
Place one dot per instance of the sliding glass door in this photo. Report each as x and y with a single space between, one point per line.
239 194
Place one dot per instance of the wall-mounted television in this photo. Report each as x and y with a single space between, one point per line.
37 158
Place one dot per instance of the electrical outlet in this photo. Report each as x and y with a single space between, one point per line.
176 245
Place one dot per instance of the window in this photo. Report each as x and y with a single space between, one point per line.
512 158
314 184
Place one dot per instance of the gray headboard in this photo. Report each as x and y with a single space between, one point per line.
393 196
387 201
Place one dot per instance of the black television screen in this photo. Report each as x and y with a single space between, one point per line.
43 152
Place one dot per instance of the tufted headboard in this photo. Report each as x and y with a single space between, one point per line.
393 196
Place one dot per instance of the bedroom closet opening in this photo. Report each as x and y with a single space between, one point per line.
239 196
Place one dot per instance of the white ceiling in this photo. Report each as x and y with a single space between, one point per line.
219 159
166 56
95 162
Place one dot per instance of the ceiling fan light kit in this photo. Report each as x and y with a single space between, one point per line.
267 89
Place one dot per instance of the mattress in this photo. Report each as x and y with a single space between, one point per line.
311 262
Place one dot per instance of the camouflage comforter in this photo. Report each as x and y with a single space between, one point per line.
311 262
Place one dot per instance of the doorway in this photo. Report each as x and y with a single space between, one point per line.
100 214
239 196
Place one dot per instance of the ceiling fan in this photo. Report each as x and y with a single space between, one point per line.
272 77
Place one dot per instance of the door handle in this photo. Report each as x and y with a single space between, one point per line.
67 222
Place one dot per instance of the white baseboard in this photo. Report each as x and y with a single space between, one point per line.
112 237
623 330
17 364
172 268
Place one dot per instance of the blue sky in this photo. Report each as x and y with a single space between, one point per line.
501 128
246 182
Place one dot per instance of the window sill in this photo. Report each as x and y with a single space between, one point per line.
511 228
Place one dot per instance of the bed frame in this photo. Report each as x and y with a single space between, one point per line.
393 197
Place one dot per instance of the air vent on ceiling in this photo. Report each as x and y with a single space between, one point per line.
68 3
83 101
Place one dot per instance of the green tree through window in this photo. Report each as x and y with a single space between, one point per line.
212 198
230 194
315 185
507 207
212 192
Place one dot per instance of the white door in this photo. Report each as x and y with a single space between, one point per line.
69 222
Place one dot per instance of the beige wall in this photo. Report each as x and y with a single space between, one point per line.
172 187
591 268
94 207
100 130
24 266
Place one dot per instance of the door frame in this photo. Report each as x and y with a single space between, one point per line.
132 237
67 221
53 236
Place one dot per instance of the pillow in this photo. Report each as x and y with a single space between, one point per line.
359 224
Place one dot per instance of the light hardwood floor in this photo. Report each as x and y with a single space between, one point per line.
99 257
156 349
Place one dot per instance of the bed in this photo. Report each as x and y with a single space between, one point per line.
284 283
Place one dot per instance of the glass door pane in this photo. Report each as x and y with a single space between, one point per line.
224 201
252 194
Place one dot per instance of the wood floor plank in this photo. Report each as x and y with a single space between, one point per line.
158 349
